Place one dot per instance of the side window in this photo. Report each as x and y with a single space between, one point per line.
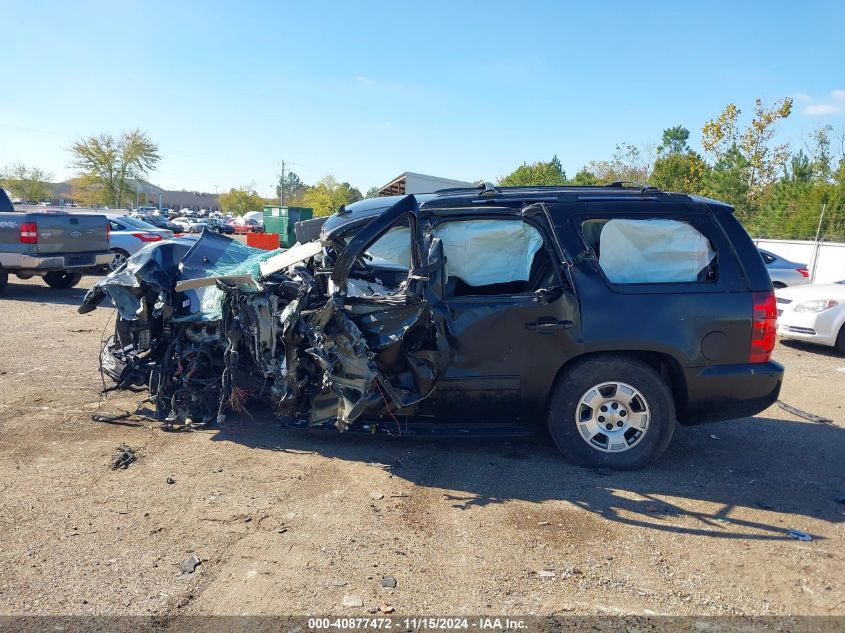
767 259
383 268
653 250
494 257
394 247
114 226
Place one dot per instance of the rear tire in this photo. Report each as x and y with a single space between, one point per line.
840 338
4 280
120 257
61 279
621 392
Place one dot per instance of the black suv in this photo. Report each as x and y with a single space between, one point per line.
605 313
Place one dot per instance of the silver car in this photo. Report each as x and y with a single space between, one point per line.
783 272
129 235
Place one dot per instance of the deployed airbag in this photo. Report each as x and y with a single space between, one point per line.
484 252
653 251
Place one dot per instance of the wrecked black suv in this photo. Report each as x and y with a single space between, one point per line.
603 313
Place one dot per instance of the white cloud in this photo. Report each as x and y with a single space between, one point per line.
364 81
838 95
802 96
821 109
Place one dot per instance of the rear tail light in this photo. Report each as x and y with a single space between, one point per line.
147 237
29 233
763 327
803 271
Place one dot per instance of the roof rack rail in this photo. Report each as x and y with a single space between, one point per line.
481 186
633 184
489 190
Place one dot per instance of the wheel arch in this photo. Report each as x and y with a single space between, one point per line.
664 364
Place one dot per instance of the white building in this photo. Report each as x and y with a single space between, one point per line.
410 182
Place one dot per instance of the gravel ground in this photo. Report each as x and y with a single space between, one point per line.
300 523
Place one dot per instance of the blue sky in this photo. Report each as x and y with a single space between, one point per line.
366 90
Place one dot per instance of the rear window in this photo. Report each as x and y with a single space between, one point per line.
134 222
650 250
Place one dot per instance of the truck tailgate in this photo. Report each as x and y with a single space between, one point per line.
71 233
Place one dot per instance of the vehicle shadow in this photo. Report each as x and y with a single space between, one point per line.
773 466
801 346
36 291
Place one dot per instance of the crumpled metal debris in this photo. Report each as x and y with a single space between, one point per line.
208 325
125 456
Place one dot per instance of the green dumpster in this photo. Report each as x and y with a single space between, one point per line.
281 220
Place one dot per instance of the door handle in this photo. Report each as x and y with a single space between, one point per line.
548 325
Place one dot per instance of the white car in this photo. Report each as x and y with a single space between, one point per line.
191 225
814 313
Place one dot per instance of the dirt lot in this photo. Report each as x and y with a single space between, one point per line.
295 523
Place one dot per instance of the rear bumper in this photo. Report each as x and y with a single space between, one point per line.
726 392
45 263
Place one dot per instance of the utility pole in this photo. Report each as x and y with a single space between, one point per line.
282 187
815 257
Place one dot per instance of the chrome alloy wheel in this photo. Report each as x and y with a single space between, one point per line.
612 417
118 261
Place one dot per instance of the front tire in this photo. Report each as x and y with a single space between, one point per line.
840 338
61 279
613 412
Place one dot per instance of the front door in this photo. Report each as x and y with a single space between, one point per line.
509 317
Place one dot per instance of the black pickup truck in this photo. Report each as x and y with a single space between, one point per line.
54 245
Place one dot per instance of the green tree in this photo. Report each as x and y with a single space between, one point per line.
350 193
30 184
763 160
241 200
536 174
328 195
674 141
727 181
799 169
293 187
115 164
89 192
372 192
679 171
818 145
585 178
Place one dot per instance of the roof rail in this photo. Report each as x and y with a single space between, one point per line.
489 190
482 187
633 184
